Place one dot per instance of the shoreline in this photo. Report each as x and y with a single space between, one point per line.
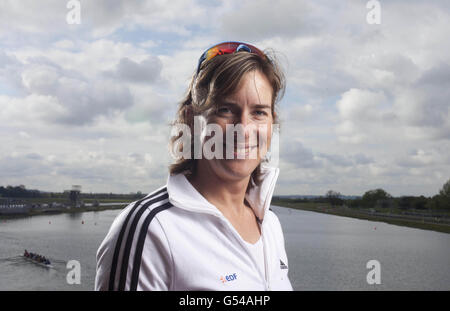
390 219
318 208
55 211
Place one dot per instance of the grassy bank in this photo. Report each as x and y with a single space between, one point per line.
364 214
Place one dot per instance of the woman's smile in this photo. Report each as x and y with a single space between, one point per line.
244 149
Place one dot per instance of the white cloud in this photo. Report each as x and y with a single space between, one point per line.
147 71
99 18
64 44
358 110
251 20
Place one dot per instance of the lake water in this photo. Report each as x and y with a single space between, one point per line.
325 252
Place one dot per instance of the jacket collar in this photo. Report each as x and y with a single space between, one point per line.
183 195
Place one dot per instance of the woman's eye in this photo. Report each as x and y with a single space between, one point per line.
224 110
260 113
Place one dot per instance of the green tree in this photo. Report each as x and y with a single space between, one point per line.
420 202
442 201
445 191
405 202
371 197
334 198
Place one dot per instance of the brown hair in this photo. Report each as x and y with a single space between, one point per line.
218 78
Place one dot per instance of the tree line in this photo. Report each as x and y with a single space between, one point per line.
18 192
371 199
23 193
379 198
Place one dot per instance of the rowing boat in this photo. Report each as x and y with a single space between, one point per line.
39 263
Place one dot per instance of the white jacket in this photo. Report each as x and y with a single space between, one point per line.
174 239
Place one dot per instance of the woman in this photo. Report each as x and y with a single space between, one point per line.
210 226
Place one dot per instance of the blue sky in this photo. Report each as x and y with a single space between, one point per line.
366 104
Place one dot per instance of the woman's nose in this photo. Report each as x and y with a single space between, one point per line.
248 126
245 118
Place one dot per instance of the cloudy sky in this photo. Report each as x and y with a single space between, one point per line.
366 106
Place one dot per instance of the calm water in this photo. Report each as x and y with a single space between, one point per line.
325 252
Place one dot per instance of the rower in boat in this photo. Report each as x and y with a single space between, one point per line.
36 257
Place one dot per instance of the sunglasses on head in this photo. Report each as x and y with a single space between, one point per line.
227 48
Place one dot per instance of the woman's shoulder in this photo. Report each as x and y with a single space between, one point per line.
149 201
273 221
272 217
155 196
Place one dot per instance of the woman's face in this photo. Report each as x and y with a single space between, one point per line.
249 109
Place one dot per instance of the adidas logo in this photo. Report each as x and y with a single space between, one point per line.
283 265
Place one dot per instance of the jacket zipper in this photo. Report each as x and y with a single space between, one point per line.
266 265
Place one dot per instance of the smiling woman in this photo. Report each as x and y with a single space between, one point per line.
212 218
215 85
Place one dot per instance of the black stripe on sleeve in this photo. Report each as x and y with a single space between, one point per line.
141 242
112 274
129 242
